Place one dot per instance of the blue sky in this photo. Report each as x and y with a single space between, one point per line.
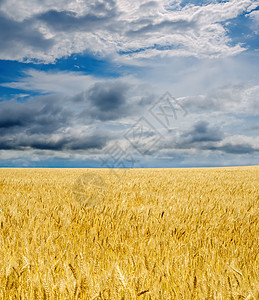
129 84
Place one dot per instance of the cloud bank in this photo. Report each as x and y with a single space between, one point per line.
76 76
47 30
87 123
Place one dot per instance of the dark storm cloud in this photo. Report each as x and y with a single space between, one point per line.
203 136
14 116
108 97
97 141
202 132
21 141
41 115
237 148
51 122
13 33
30 124
46 142
109 101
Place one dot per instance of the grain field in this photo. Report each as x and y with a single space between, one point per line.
152 234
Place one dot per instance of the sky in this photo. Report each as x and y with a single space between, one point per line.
124 84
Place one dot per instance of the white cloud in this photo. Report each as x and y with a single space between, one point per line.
139 29
255 18
65 83
62 82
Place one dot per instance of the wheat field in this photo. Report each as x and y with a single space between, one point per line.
154 234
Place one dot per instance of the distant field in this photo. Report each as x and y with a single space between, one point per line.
154 234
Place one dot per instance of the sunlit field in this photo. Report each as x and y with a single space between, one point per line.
152 234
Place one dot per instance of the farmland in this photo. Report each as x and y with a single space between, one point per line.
152 234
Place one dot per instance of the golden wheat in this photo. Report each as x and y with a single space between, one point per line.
157 234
